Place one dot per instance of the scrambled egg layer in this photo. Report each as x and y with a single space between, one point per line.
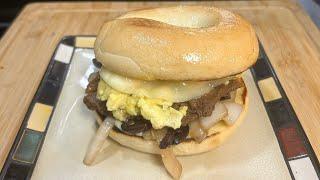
159 112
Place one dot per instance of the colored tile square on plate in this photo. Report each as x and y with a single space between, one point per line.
85 42
48 92
39 117
303 169
292 142
28 146
269 89
17 171
64 53
68 41
57 71
261 69
280 113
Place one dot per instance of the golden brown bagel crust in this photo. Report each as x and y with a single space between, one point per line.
217 135
177 43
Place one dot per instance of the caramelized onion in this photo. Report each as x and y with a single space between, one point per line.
147 135
234 111
97 142
219 112
158 134
196 132
171 163
154 134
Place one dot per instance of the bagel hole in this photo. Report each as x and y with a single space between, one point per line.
196 20
182 19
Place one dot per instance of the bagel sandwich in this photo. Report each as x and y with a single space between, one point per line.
171 77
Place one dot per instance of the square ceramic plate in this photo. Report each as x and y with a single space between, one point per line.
270 144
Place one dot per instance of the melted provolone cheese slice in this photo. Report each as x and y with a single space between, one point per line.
174 91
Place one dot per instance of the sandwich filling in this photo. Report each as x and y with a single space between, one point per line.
158 111
168 112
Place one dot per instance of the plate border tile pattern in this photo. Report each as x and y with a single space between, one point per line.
48 94
292 140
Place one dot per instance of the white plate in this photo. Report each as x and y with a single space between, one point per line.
252 152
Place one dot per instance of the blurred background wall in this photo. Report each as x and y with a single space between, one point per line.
10 8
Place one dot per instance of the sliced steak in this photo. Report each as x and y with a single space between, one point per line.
227 96
94 104
96 63
181 134
94 79
91 100
168 139
136 124
174 136
203 106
